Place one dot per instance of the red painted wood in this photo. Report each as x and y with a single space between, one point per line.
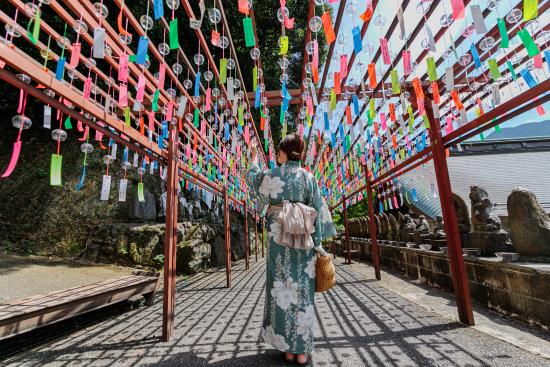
375 251
246 247
170 239
227 232
458 269
346 230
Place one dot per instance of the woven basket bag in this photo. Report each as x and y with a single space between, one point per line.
325 274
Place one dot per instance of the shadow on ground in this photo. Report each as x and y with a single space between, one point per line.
359 323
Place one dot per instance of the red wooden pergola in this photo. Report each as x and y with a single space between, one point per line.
12 56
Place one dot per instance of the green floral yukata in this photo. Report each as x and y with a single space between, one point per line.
289 314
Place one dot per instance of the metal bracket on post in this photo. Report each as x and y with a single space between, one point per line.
458 269
375 251
170 239
227 236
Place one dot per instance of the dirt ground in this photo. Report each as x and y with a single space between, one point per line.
26 276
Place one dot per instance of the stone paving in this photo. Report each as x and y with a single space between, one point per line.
359 323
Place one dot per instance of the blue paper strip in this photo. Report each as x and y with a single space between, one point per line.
341 131
327 122
257 98
475 55
82 178
141 54
357 42
333 140
355 104
528 77
60 70
197 84
158 9
226 132
547 57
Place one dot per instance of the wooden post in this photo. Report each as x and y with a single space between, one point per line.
346 230
375 251
256 233
227 237
246 247
458 269
170 239
263 242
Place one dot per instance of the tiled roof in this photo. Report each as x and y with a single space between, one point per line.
497 173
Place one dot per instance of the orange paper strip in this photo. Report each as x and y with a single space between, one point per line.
458 103
327 25
418 88
372 75
435 92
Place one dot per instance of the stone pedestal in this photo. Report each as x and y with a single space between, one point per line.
489 242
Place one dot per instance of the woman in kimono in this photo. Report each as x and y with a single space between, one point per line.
289 315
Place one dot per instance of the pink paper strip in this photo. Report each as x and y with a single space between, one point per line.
170 110
458 9
407 68
315 53
449 124
162 73
75 55
140 88
87 88
309 105
188 151
301 129
85 136
343 66
208 98
385 51
13 160
383 121
151 118
79 126
246 134
540 110
537 61
123 95
123 68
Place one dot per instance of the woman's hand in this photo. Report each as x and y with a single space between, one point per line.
254 152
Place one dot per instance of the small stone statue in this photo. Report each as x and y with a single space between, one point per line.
422 230
439 228
462 214
407 227
484 218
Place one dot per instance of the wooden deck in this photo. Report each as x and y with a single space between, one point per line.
28 313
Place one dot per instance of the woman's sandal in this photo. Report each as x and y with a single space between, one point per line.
308 357
286 359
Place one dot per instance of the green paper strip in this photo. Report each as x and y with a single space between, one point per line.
530 45
262 112
55 170
432 71
67 123
283 42
174 42
504 40
248 32
223 70
36 28
155 103
426 121
127 117
481 137
332 99
371 108
196 118
411 119
497 128
141 196
254 78
240 112
530 9
511 69
493 69
395 88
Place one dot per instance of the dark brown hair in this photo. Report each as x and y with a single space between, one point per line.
293 146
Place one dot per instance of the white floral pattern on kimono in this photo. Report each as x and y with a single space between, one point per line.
289 314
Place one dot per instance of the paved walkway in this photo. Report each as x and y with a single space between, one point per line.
360 323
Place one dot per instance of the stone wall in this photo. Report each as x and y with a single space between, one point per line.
519 292
200 245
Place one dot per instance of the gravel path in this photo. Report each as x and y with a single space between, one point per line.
21 277
359 323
